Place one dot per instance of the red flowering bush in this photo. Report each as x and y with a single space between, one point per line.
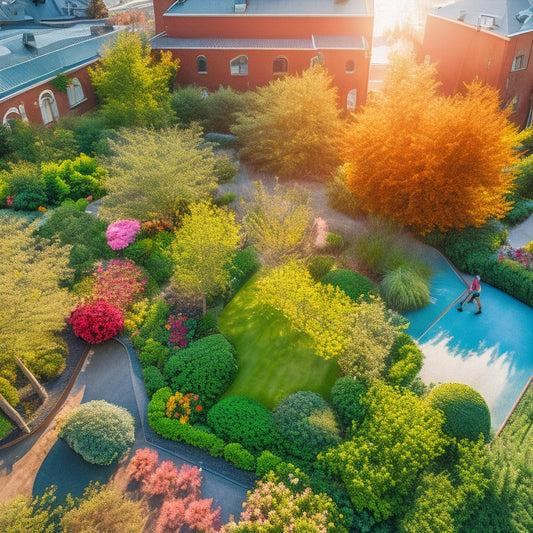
122 233
521 255
181 330
96 322
118 282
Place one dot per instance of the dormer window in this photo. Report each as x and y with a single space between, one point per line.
487 21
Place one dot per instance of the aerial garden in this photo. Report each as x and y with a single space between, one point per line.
265 338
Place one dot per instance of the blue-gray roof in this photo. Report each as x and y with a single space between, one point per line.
26 10
270 7
52 51
510 17
313 43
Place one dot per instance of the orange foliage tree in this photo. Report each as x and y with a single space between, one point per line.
428 161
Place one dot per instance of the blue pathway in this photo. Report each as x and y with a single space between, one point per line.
491 352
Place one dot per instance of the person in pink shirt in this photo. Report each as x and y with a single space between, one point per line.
473 294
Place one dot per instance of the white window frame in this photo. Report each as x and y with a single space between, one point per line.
239 66
75 93
519 62
48 105
7 117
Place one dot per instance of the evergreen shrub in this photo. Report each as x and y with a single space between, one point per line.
154 353
267 462
99 431
225 169
153 380
239 456
319 266
246 421
306 424
206 367
346 396
466 412
353 283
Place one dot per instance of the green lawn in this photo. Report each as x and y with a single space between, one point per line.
273 360
5 425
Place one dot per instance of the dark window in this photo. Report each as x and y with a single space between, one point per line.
350 66
201 65
280 65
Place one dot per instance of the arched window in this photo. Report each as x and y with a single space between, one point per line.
201 65
280 65
350 66
11 114
351 100
239 65
75 92
48 105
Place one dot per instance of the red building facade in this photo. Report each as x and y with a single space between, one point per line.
244 46
491 41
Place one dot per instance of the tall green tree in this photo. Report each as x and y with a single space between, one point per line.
156 174
34 306
427 161
291 126
278 223
203 249
399 437
132 88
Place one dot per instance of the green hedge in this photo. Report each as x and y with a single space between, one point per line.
175 430
154 354
153 379
353 283
466 412
207 368
9 392
246 421
239 456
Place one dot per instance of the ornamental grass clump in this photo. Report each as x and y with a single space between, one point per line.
404 289
99 431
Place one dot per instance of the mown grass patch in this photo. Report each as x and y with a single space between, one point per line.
274 361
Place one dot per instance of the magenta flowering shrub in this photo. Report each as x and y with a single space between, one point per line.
118 282
520 255
122 233
96 322
181 330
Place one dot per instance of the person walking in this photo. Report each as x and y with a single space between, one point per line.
473 294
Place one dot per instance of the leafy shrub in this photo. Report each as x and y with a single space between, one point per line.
267 462
29 201
319 266
96 322
91 133
189 105
23 177
153 379
240 457
346 396
243 265
207 324
154 354
306 424
225 169
335 242
246 421
224 199
174 430
221 108
154 324
207 367
353 283
99 431
405 290
523 181
405 361
48 361
9 392
340 197
5 425
521 210
466 412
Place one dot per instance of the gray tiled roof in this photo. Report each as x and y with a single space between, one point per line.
511 16
271 7
26 10
57 50
313 43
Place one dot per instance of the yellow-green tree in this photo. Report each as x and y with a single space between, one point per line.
203 248
132 88
427 161
156 174
292 126
278 223
34 306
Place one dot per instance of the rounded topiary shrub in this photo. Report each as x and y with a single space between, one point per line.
405 289
99 431
346 396
353 283
306 424
466 412
246 421
206 367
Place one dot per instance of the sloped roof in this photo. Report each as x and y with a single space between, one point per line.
511 17
270 7
53 50
26 10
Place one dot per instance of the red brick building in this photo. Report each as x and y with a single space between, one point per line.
245 45
490 40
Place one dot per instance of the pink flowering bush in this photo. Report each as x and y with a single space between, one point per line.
122 233
118 282
96 322
520 255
